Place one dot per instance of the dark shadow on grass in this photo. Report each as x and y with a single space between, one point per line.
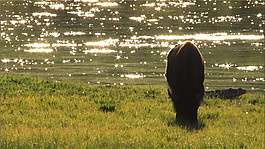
191 127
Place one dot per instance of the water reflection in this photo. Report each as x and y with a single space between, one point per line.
100 51
39 50
108 42
250 68
212 37
126 42
133 76
37 45
244 68
41 14
57 6
64 44
107 4
74 33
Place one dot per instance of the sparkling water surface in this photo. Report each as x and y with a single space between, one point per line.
125 42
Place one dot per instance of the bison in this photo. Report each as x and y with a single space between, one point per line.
185 77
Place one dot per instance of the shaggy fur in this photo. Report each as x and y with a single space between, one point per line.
185 76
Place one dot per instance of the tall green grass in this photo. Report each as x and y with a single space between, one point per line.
39 113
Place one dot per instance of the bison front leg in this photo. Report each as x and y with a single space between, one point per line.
186 111
187 114
186 108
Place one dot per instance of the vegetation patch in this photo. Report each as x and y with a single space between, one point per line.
39 113
107 107
209 115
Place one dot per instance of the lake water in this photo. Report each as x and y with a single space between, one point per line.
123 42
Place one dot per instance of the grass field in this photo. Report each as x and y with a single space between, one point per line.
39 113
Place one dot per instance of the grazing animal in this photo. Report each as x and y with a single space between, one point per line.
185 77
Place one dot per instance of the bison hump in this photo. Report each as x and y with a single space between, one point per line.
185 68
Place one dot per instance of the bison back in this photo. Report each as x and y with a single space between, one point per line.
185 70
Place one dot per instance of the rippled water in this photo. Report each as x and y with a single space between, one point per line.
126 41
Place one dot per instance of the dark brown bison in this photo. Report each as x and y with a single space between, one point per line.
185 76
